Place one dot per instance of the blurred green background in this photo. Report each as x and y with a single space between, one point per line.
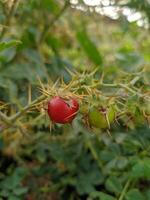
40 39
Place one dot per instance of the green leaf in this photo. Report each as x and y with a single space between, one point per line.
113 184
6 45
134 194
106 155
147 194
141 169
20 190
121 162
41 155
89 47
51 5
129 61
23 71
14 180
4 193
83 186
87 180
12 197
101 196
54 42
7 55
12 89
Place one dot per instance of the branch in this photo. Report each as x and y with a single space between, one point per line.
8 18
47 27
4 118
26 108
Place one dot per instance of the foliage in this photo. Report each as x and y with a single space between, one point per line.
51 47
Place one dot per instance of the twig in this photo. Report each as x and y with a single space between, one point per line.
10 120
8 18
94 153
4 118
47 27
26 108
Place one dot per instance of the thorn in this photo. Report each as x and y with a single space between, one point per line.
62 81
29 94
41 84
71 73
108 131
56 82
50 127
106 116
93 72
73 114
102 78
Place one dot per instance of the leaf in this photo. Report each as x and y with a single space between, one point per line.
57 66
4 192
13 181
122 162
51 5
141 169
54 42
12 197
23 71
86 181
89 47
83 185
40 154
130 61
113 185
20 190
101 196
134 194
32 56
115 148
12 89
110 165
147 194
6 45
7 55
106 155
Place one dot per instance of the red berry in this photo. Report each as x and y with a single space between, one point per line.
62 111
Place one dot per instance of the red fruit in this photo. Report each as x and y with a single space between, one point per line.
62 111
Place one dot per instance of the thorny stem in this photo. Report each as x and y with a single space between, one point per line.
26 108
125 86
4 118
10 120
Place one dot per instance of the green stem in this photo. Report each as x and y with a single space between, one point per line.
26 108
8 18
10 120
94 153
124 191
125 86
4 118
47 27
128 88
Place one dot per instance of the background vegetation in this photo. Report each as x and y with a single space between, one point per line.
43 40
